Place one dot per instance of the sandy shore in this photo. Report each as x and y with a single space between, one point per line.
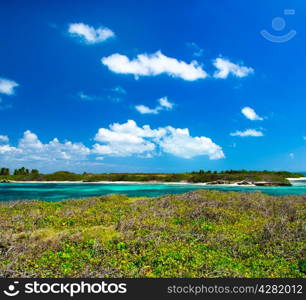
136 182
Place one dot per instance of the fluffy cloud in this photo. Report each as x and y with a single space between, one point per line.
7 149
178 142
89 34
4 139
250 114
129 139
247 132
147 110
226 67
30 148
154 64
125 139
7 86
119 140
164 104
30 142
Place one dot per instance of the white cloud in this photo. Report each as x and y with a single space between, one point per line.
226 67
89 34
164 104
250 114
154 64
119 140
4 139
4 149
124 140
30 141
86 97
247 132
112 96
7 86
67 150
179 143
147 110
30 148
128 139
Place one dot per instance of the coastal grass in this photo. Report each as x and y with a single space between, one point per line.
198 234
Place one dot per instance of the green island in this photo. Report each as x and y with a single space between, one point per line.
197 234
276 178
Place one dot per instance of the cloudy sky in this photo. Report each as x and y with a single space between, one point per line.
154 86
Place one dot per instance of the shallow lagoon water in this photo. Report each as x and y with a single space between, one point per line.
61 191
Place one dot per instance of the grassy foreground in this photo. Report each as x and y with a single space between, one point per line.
198 234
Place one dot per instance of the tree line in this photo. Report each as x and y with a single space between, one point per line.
20 171
24 174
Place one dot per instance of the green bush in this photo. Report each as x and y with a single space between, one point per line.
198 234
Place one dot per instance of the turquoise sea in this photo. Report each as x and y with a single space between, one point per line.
60 191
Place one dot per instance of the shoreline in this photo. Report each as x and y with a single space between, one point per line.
137 182
113 182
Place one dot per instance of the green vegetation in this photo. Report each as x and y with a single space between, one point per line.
24 174
4 171
198 234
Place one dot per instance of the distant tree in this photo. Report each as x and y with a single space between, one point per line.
34 172
21 171
4 171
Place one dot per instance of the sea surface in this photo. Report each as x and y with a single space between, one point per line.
61 191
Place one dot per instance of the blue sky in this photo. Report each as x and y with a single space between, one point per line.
154 86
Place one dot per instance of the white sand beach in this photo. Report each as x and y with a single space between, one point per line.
134 182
